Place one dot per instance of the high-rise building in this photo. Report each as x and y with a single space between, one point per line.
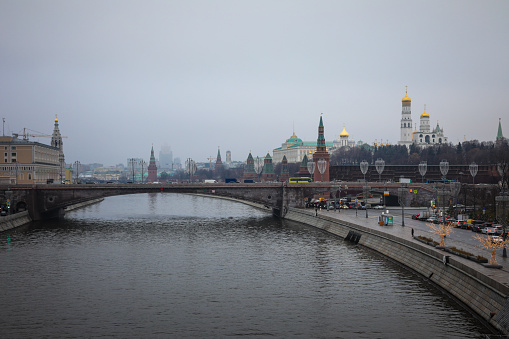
165 157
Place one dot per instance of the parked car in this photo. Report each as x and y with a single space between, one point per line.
415 216
480 227
458 223
379 207
467 225
493 230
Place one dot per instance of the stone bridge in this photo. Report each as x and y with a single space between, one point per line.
49 200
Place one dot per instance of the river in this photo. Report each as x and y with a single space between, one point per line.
182 266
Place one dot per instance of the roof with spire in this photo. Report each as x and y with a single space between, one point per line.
499 133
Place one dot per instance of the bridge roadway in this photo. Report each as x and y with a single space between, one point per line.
49 200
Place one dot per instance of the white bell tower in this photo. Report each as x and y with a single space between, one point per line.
406 120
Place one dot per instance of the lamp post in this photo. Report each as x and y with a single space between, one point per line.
473 171
311 168
423 167
258 165
402 200
444 168
380 165
77 166
132 161
502 200
190 168
142 164
322 164
364 169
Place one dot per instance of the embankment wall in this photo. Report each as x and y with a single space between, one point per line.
485 296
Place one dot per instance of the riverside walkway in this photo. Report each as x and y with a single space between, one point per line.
405 232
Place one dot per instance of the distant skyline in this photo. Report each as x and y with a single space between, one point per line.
243 75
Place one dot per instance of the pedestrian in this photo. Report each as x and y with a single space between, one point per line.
316 211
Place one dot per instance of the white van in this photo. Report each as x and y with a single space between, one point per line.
210 181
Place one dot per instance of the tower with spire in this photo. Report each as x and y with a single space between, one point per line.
56 141
500 136
152 167
219 163
249 170
406 121
285 173
268 169
321 153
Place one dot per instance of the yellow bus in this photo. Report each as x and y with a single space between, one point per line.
300 179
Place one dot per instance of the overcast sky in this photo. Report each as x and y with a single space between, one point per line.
123 75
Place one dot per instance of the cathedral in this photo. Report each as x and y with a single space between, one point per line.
423 137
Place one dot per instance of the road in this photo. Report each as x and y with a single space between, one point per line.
460 238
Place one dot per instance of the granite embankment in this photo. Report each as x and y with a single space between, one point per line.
22 218
484 290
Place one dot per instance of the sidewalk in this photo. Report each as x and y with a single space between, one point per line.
500 275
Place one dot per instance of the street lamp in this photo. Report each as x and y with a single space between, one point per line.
444 168
77 166
401 199
380 165
423 167
258 165
190 168
364 168
132 161
473 171
142 164
311 168
322 164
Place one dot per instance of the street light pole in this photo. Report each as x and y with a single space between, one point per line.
364 169
77 165
444 168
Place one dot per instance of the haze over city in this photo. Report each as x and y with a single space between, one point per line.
244 75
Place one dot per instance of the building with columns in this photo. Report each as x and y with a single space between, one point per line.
295 149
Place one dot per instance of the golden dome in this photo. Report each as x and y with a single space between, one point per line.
406 98
293 136
344 134
424 115
56 118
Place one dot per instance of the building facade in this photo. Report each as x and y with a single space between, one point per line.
295 149
29 162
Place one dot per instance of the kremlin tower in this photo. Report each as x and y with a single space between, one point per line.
321 154
152 168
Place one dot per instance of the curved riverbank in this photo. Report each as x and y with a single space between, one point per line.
483 290
22 218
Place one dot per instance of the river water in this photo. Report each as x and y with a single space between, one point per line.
177 266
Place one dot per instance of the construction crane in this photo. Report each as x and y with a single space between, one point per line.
25 135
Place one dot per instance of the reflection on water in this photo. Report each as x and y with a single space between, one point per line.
169 265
